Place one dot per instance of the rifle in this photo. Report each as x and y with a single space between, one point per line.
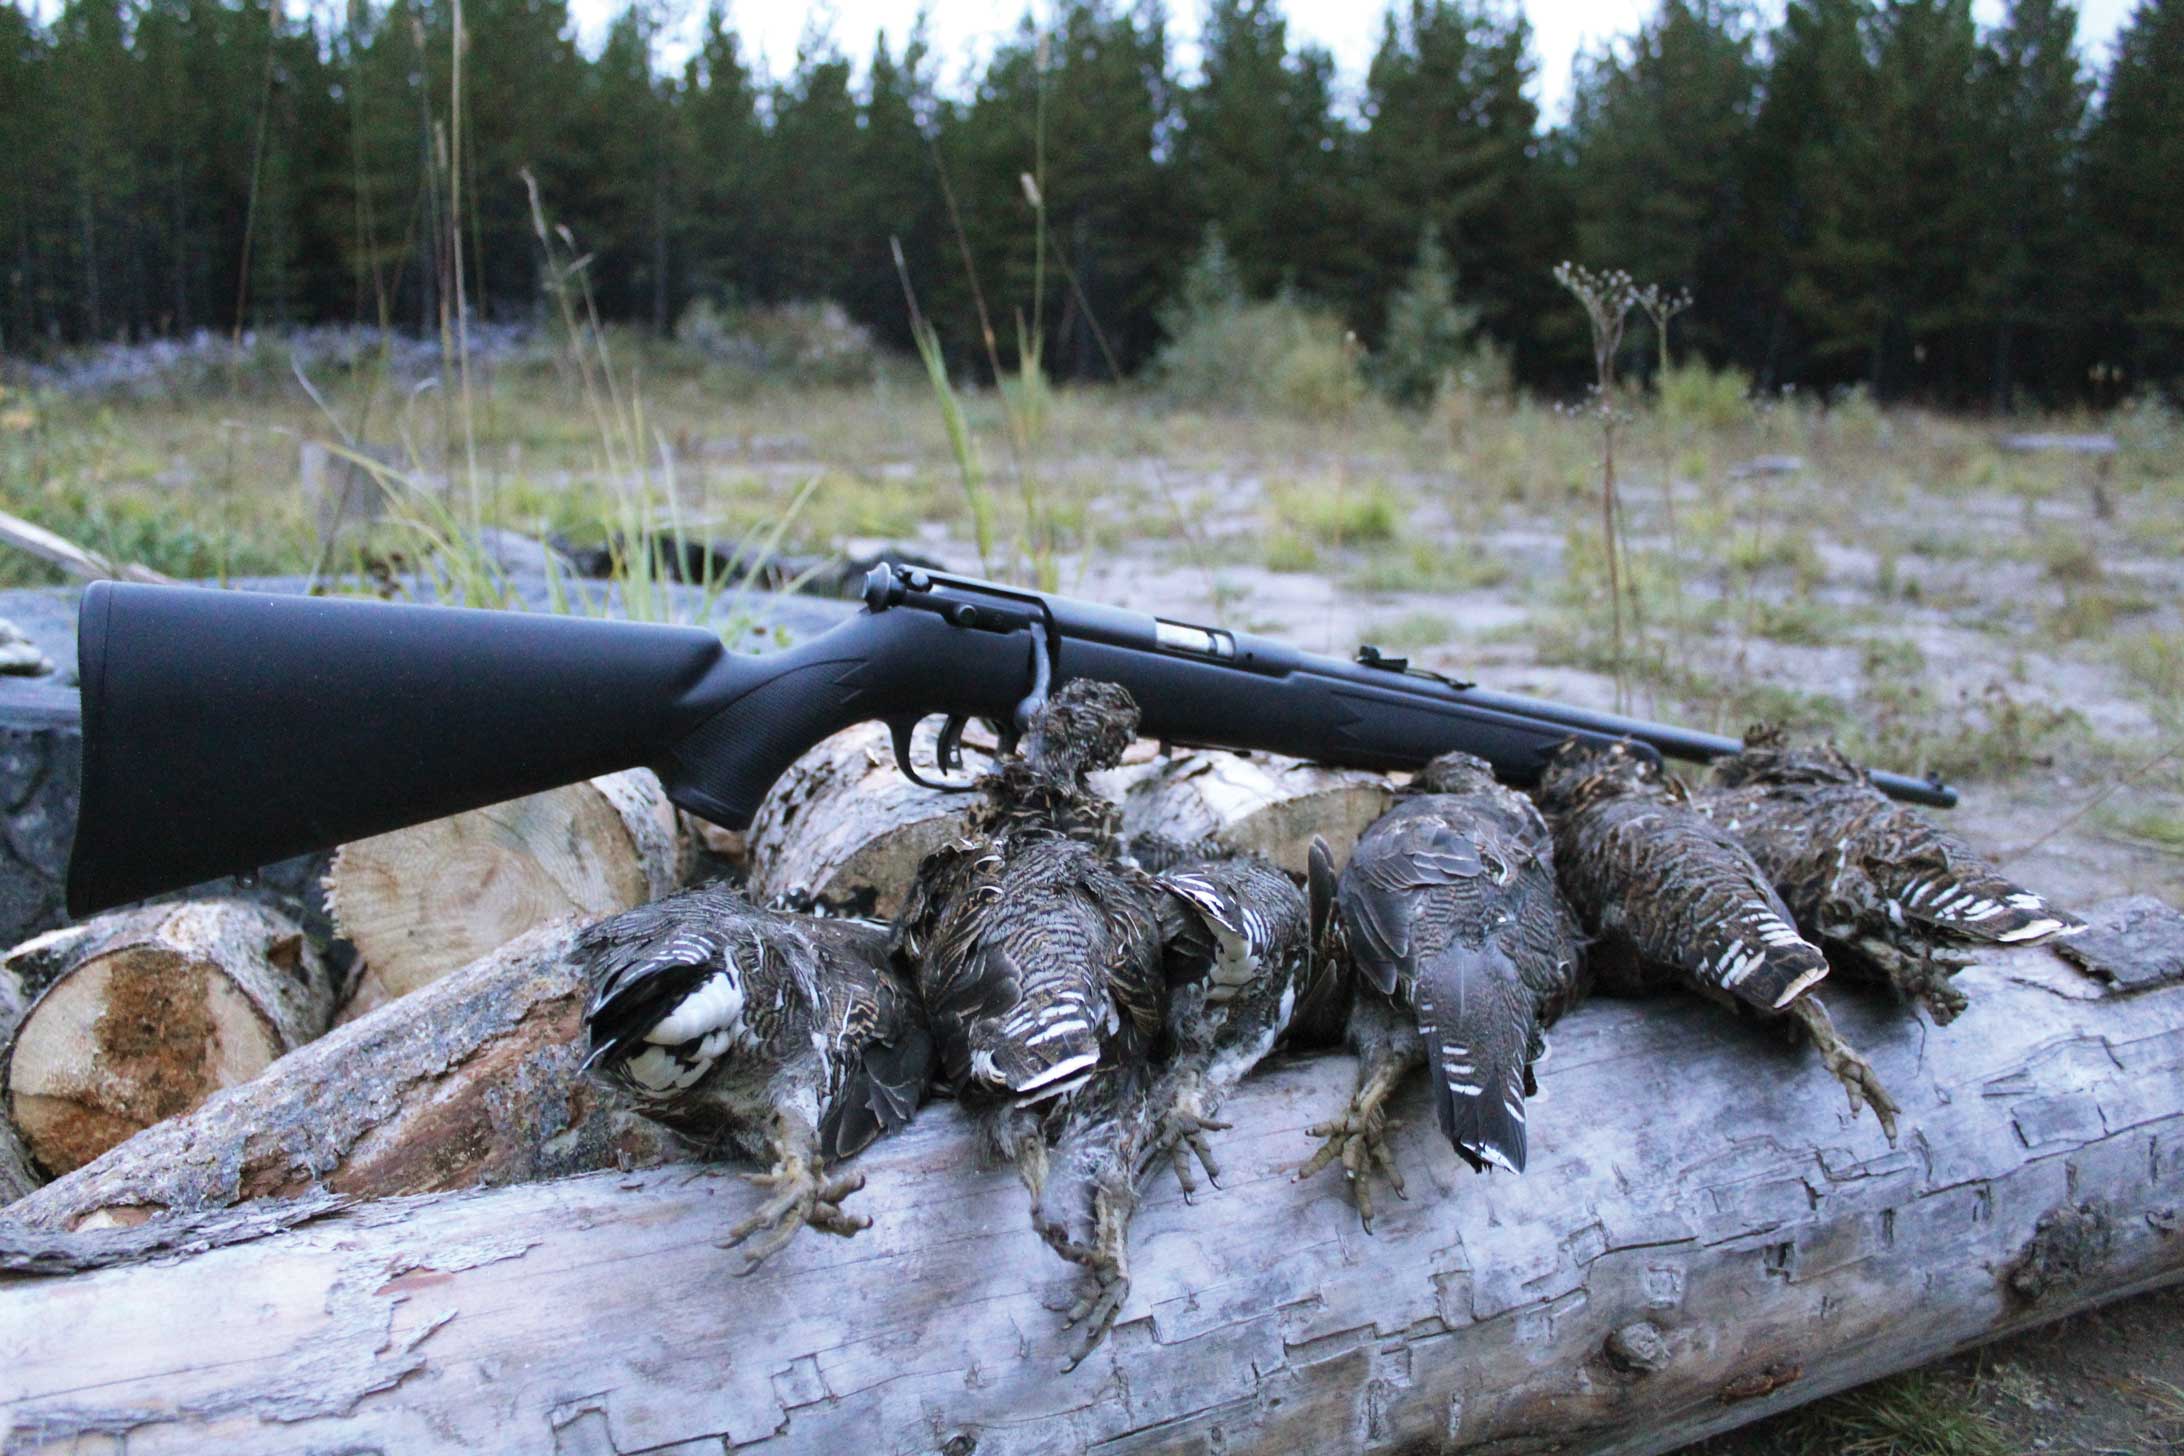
225 730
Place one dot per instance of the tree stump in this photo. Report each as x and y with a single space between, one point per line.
1205 802
139 1016
843 830
424 901
1705 1235
471 1080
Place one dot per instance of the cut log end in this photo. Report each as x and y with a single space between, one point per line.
1203 802
424 901
147 1013
843 831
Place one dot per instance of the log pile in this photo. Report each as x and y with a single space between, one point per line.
425 1227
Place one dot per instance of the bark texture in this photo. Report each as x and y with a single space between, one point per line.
843 830
472 1080
1704 1236
423 901
1203 802
17 1176
138 1016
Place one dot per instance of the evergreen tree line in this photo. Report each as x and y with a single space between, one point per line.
1870 190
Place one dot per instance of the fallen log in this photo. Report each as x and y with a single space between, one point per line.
471 1080
141 1015
1705 1236
842 830
1206 802
423 901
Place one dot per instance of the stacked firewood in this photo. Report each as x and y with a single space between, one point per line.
166 1063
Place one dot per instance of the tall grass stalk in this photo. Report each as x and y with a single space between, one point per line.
1607 299
960 443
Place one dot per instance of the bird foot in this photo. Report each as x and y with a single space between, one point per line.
1182 1136
1107 1260
1922 977
802 1195
1359 1139
1844 1062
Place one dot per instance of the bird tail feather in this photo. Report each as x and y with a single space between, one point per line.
1980 905
1476 1019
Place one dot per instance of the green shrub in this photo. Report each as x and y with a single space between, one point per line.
1707 399
1225 352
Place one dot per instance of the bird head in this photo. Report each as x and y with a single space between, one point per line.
1580 774
1084 727
1770 758
1455 772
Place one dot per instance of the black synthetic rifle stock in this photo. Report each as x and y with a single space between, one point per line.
224 730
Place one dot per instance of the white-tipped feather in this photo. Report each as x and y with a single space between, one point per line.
1077 1066
1799 986
2031 930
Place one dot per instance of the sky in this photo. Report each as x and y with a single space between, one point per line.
962 29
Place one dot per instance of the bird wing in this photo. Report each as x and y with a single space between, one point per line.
1400 856
645 963
887 1063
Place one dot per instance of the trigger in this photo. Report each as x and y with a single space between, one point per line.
949 750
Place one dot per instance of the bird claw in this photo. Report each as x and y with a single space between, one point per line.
1096 1312
1923 977
1359 1139
1862 1085
802 1197
1182 1135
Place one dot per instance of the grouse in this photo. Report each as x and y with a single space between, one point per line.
778 1036
1669 895
1904 898
1037 951
1237 939
1467 952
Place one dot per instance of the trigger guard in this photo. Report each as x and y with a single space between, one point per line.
900 730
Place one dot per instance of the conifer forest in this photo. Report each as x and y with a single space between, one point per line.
1876 192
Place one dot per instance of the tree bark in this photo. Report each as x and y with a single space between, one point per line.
1202 802
1705 1236
139 1016
17 1176
471 1080
843 830
424 901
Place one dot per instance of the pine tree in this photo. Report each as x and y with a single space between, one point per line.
811 178
2134 157
2031 276
1662 143
898 197
1261 154
722 219
1428 331
1452 141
